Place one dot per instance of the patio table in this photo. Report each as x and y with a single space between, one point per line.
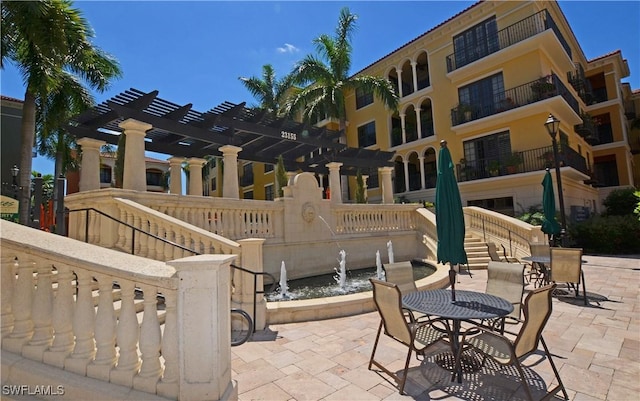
468 305
542 265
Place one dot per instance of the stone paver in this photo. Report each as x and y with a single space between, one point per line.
596 349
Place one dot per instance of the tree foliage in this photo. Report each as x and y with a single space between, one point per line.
620 202
281 176
360 197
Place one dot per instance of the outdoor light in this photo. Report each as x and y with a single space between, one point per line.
553 124
14 171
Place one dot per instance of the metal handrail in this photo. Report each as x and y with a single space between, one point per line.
133 232
510 234
255 287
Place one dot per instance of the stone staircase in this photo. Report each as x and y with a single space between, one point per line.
477 253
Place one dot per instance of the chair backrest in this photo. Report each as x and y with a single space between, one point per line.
388 300
536 310
400 274
566 264
506 280
493 252
540 250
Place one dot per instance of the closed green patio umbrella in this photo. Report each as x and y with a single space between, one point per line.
449 216
550 225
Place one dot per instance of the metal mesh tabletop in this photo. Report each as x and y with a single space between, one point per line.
468 304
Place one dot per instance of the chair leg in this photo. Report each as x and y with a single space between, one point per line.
584 289
560 385
524 380
375 345
404 373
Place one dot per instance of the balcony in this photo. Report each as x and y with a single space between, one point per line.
531 92
588 129
527 161
508 36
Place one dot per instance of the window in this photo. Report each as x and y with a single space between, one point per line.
248 195
105 174
367 134
483 95
373 181
268 192
268 167
154 178
484 153
213 184
476 42
247 175
363 98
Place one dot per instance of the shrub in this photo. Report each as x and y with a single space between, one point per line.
613 235
620 202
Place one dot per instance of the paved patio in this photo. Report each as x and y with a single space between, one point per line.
596 349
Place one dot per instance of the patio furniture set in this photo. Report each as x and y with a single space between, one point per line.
473 323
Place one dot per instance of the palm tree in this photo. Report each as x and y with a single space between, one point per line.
269 90
325 85
46 39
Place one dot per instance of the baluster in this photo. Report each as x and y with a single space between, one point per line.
160 245
178 239
91 217
128 233
150 369
105 330
153 229
83 323
7 282
127 338
136 243
168 386
21 302
41 314
122 229
143 238
62 317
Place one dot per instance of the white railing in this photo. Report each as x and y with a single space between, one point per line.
49 284
426 226
360 218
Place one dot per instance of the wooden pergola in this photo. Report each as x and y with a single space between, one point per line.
181 131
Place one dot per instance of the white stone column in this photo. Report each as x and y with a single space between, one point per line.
406 175
242 298
175 179
404 130
195 175
421 161
418 123
290 177
386 183
415 75
135 170
334 182
230 188
365 178
204 335
399 73
90 166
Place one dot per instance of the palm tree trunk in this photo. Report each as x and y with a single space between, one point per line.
57 172
344 180
27 134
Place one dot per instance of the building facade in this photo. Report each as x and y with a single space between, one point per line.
486 81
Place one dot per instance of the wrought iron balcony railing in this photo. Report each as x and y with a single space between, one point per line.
506 37
528 160
531 92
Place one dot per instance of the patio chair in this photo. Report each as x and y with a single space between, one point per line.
539 273
416 336
400 274
506 351
493 254
506 280
566 267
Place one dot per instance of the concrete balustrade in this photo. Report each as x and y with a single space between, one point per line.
49 316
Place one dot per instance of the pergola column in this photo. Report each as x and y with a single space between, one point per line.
90 167
195 175
135 172
175 178
230 188
387 188
365 178
334 182
421 161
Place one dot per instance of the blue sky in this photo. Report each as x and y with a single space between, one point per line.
194 52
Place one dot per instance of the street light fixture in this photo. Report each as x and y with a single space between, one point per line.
14 184
552 125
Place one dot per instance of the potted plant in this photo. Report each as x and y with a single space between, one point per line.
542 88
465 111
513 161
494 168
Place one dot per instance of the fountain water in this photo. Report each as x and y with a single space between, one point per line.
341 278
333 235
379 272
284 287
390 252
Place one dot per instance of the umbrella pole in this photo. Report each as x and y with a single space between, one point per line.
452 281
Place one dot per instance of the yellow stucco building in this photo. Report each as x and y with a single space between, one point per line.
486 80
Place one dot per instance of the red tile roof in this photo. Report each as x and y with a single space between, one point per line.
605 55
13 99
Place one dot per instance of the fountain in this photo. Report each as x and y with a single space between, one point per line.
390 252
379 272
333 235
284 287
341 278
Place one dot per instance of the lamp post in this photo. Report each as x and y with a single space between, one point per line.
552 124
14 184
